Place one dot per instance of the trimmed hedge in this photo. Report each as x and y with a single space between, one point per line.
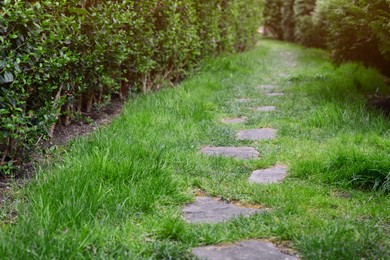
60 59
357 31
273 18
352 30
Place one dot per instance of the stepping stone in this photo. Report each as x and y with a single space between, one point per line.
275 94
256 134
244 250
265 108
211 210
267 86
242 152
234 120
244 100
283 75
271 175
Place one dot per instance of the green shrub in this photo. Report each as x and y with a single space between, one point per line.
358 31
308 30
32 63
59 59
288 20
284 18
308 33
305 31
352 30
273 17
304 7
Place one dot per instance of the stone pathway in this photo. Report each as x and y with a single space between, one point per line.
271 175
244 250
243 152
211 210
256 134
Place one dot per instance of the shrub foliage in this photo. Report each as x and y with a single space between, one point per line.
273 18
356 30
59 59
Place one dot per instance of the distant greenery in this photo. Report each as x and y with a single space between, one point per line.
352 30
59 59
118 193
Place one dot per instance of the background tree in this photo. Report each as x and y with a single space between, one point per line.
352 30
273 17
357 31
306 32
288 20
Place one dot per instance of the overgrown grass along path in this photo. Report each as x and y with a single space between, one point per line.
119 192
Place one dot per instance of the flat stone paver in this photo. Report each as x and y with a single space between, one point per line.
256 134
275 94
211 210
271 175
244 100
236 120
267 86
242 152
265 108
244 250
283 75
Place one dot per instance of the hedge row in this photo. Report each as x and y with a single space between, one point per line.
60 59
356 30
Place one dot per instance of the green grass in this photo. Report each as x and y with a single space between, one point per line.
119 192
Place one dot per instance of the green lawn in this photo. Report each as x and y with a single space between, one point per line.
119 192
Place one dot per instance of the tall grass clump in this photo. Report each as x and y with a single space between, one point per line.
349 166
354 134
350 82
103 185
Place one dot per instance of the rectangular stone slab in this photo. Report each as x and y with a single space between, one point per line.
212 210
242 152
244 100
267 86
271 175
244 250
265 108
275 94
256 134
236 120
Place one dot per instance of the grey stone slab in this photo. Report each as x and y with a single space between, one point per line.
244 100
275 94
236 120
283 75
256 134
244 250
267 86
271 175
211 210
265 108
242 152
